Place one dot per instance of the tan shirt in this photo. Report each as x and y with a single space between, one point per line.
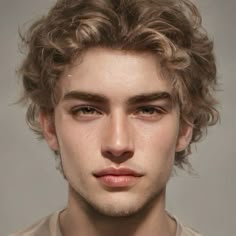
49 226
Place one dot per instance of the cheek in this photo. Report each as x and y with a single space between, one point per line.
157 147
160 136
76 141
78 149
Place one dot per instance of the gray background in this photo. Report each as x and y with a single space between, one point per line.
31 187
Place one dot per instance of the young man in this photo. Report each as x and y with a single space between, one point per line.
119 89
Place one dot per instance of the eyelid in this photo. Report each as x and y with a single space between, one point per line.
77 108
155 114
154 107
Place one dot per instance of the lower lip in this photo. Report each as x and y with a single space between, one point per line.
118 180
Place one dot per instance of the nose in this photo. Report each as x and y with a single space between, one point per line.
117 143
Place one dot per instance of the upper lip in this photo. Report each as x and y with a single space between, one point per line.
117 172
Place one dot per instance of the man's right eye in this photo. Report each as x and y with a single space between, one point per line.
85 111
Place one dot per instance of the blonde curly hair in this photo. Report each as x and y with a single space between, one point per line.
171 29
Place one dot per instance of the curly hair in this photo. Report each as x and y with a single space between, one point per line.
171 29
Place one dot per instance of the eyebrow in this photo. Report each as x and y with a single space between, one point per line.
98 98
150 97
85 96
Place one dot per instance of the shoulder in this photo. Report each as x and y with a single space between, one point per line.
182 229
187 231
47 226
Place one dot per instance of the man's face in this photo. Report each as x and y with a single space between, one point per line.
117 130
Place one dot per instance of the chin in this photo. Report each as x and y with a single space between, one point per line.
116 211
120 204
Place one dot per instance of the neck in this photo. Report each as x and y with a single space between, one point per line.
80 219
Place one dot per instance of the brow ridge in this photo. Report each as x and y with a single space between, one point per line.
99 98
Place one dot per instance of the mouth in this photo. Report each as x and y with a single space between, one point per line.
117 178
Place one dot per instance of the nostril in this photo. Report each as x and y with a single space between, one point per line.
117 156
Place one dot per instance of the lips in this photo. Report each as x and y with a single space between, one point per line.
121 177
117 172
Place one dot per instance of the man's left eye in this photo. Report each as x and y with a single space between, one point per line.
150 110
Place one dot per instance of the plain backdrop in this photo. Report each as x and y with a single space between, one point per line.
31 187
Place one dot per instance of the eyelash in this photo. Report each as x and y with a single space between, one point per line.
146 111
86 110
152 109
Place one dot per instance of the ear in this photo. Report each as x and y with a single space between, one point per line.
49 131
185 136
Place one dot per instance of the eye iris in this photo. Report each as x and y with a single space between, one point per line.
148 110
88 110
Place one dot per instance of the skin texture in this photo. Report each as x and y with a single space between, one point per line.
117 128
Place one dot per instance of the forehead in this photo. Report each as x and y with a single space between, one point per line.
115 73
